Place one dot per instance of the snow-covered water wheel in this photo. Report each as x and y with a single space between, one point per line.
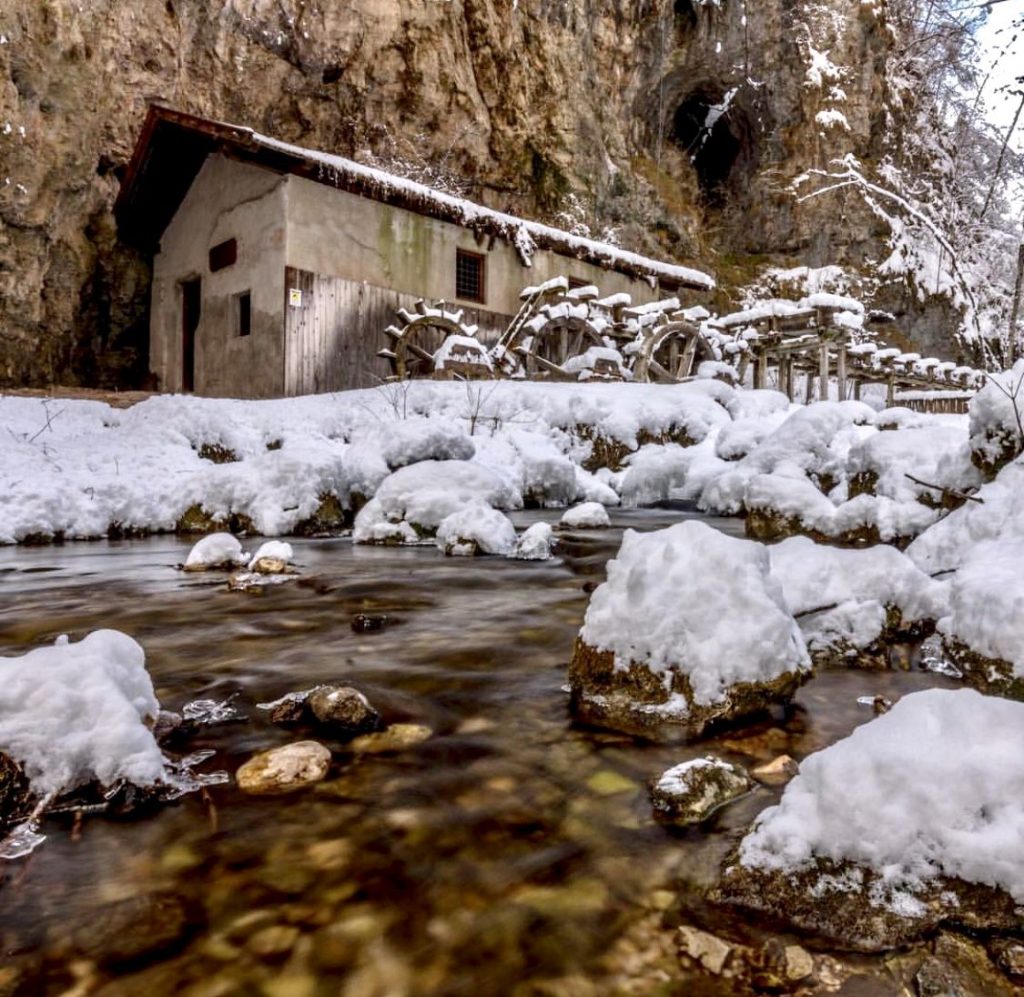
414 343
545 349
671 351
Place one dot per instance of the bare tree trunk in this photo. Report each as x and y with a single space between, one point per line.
1015 311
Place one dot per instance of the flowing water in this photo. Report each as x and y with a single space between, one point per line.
509 854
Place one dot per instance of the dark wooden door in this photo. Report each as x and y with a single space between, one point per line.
191 304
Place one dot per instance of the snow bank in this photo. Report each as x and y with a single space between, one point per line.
848 591
999 515
76 712
986 606
996 413
414 500
692 600
932 788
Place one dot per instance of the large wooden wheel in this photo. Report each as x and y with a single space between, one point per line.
414 343
672 352
545 349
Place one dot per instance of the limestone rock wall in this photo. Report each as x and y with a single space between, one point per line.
583 112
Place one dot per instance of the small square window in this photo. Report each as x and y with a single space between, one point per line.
576 282
469 276
243 313
224 254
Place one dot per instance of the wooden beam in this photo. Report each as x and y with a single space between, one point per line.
841 371
823 372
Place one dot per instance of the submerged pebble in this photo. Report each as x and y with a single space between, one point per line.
282 770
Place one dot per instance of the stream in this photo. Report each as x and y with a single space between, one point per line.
513 853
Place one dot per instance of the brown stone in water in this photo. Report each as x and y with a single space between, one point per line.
14 790
284 769
344 707
633 700
776 772
848 919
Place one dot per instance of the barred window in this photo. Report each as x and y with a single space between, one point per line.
469 276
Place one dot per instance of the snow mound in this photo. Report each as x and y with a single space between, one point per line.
932 788
586 516
273 554
76 712
218 550
987 603
995 418
847 592
476 528
535 544
691 600
408 442
414 500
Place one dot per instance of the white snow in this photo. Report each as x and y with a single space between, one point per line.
933 787
692 600
216 550
476 525
75 712
987 602
535 543
423 494
586 516
274 550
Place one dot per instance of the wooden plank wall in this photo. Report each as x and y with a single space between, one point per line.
332 339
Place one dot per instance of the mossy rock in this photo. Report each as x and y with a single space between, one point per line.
833 901
330 518
863 483
606 452
770 526
195 519
989 675
875 656
15 793
996 450
217 453
636 700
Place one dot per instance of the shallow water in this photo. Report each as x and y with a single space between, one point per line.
508 851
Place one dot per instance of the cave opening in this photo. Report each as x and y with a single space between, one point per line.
715 135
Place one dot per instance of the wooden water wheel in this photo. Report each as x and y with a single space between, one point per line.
544 347
414 343
671 351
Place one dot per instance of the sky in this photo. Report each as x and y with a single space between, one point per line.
994 36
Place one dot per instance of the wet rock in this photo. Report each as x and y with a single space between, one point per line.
285 769
1009 955
343 707
273 943
14 791
329 519
273 558
777 967
134 929
217 453
989 675
368 622
840 901
776 772
961 968
691 792
397 737
166 724
708 950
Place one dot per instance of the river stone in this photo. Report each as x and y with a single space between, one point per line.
691 792
397 737
709 950
134 929
282 770
14 789
962 968
776 772
344 707
637 701
989 675
834 900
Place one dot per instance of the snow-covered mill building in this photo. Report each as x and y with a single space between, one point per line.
277 268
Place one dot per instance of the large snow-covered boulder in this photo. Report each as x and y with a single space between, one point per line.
411 503
215 551
476 528
852 603
984 631
913 821
998 515
689 628
996 414
76 713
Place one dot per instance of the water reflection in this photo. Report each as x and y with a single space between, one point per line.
507 852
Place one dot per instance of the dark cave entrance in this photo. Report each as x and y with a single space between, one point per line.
714 132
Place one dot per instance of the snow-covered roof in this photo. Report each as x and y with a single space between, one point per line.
173 145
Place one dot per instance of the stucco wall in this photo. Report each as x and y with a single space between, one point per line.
337 234
227 200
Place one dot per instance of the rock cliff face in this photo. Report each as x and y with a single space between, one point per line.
604 113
